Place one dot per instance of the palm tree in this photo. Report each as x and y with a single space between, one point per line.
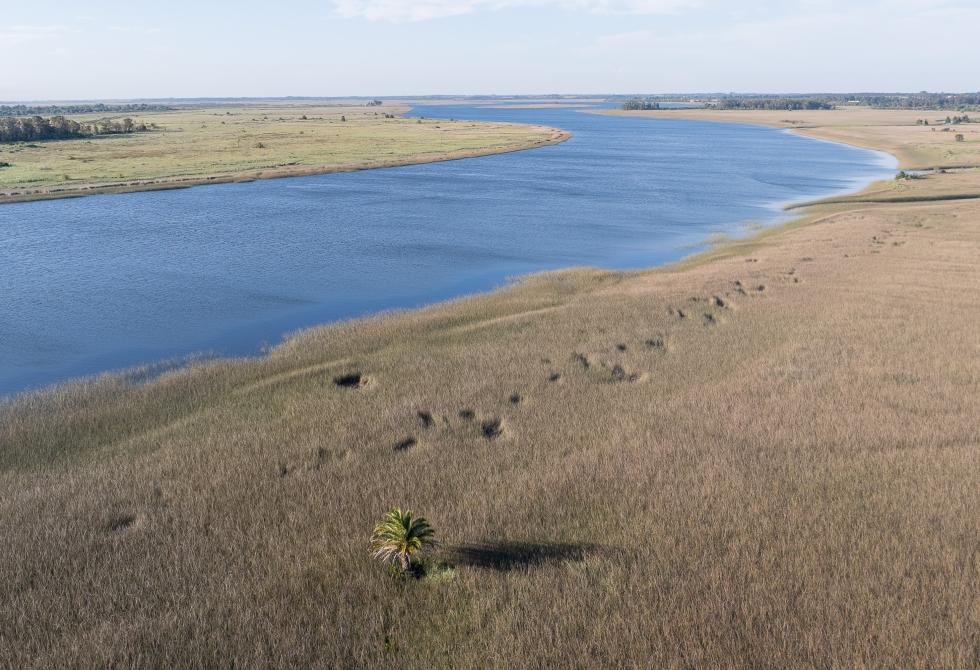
401 538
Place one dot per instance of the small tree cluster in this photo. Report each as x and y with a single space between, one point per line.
38 128
638 104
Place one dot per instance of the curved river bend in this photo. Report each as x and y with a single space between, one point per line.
107 282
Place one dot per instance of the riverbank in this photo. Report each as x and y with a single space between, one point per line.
764 455
214 145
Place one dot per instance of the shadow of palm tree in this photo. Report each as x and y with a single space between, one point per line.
505 555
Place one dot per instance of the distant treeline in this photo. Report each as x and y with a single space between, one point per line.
803 101
921 100
37 128
97 108
639 104
769 103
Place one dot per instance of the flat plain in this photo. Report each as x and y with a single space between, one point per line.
765 456
194 146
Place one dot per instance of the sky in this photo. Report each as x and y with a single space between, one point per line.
107 49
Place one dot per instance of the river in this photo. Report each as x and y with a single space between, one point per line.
110 282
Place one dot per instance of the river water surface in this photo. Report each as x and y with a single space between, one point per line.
114 281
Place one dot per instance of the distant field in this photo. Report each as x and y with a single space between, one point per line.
217 144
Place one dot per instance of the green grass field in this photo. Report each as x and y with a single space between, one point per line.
257 141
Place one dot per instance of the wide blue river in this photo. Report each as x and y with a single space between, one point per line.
109 282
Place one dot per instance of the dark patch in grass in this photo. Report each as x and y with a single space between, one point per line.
619 375
658 343
426 420
902 378
120 522
353 380
554 377
467 414
621 347
515 399
492 429
505 556
406 444
582 360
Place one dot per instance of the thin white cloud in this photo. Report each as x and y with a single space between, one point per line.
18 35
420 10
132 29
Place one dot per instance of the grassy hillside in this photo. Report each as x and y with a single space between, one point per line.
767 456
218 144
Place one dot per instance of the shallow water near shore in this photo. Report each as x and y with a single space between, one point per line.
108 282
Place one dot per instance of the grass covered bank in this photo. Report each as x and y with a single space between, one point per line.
766 456
239 143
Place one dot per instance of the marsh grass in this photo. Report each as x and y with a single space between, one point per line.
792 483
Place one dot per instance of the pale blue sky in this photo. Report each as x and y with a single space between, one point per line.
50 49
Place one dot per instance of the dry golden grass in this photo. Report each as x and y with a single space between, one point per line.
768 456
260 141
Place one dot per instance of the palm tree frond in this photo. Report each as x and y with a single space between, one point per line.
400 537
